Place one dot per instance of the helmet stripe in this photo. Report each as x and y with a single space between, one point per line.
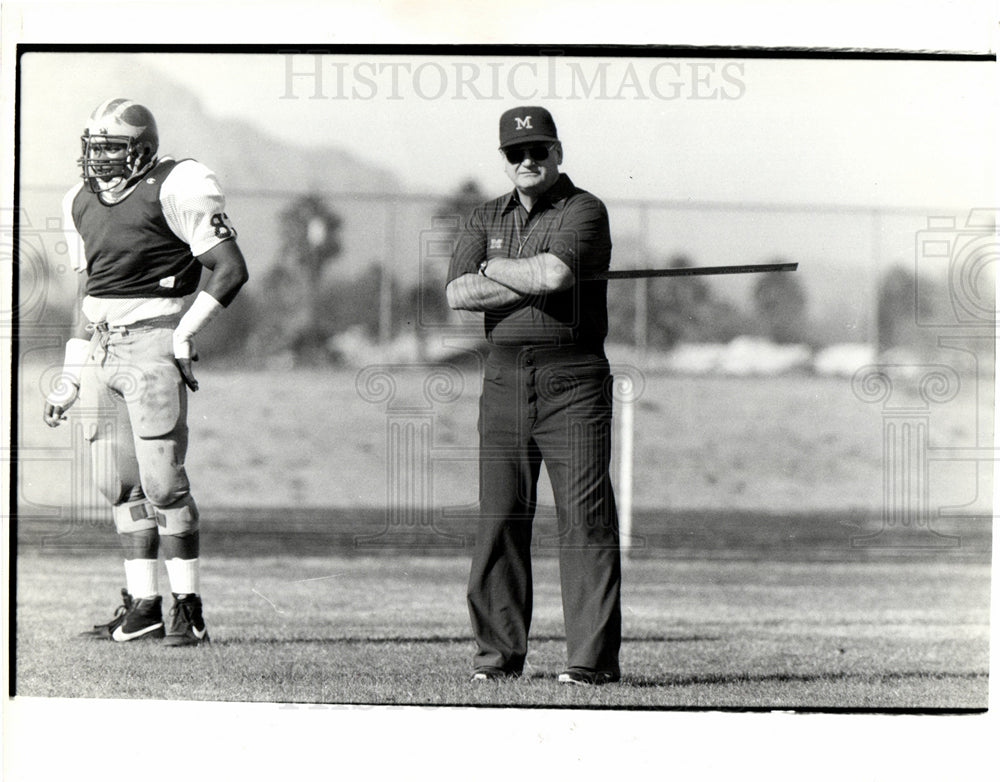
113 107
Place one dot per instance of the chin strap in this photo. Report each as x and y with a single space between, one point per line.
143 171
126 185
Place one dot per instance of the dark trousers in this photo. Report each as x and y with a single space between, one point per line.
550 405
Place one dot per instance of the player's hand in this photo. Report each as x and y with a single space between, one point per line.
184 355
187 371
58 402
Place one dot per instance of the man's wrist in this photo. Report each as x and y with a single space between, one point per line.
67 384
76 355
482 267
201 312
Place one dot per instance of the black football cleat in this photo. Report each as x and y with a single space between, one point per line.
134 620
187 626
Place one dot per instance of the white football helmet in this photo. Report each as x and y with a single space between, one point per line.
119 144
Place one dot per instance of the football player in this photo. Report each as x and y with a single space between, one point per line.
141 228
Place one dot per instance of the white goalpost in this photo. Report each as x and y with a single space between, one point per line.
626 461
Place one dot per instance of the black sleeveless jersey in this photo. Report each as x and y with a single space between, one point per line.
130 249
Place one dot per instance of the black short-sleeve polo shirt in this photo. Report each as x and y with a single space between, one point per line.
566 221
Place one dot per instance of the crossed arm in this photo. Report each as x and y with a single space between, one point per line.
508 281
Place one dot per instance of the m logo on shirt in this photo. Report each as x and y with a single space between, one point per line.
523 124
496 244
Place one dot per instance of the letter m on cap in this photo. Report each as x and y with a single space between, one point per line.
523 123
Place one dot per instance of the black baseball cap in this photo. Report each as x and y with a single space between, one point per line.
526 124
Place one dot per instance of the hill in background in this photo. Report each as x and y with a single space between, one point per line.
54 109
260 173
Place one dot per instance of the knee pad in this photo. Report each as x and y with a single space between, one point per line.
179 518
134 516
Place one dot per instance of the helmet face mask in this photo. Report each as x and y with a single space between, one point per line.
106 161
118 145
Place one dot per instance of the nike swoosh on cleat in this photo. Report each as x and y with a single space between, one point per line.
121 635
189 637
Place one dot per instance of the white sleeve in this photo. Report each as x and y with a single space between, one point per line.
74 242
195 207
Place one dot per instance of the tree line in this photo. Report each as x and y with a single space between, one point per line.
298 309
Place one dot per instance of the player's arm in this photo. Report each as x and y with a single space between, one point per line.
194 206
66 388
229 271
78 330
229 274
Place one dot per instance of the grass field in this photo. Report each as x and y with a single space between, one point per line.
717 630
748 588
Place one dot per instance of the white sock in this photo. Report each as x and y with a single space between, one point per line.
183 574
140 578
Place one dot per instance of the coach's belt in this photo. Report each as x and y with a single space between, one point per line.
542 355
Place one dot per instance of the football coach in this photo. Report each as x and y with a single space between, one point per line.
523 260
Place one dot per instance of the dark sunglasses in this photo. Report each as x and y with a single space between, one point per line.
538 153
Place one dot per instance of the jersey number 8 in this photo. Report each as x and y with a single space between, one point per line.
223 228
